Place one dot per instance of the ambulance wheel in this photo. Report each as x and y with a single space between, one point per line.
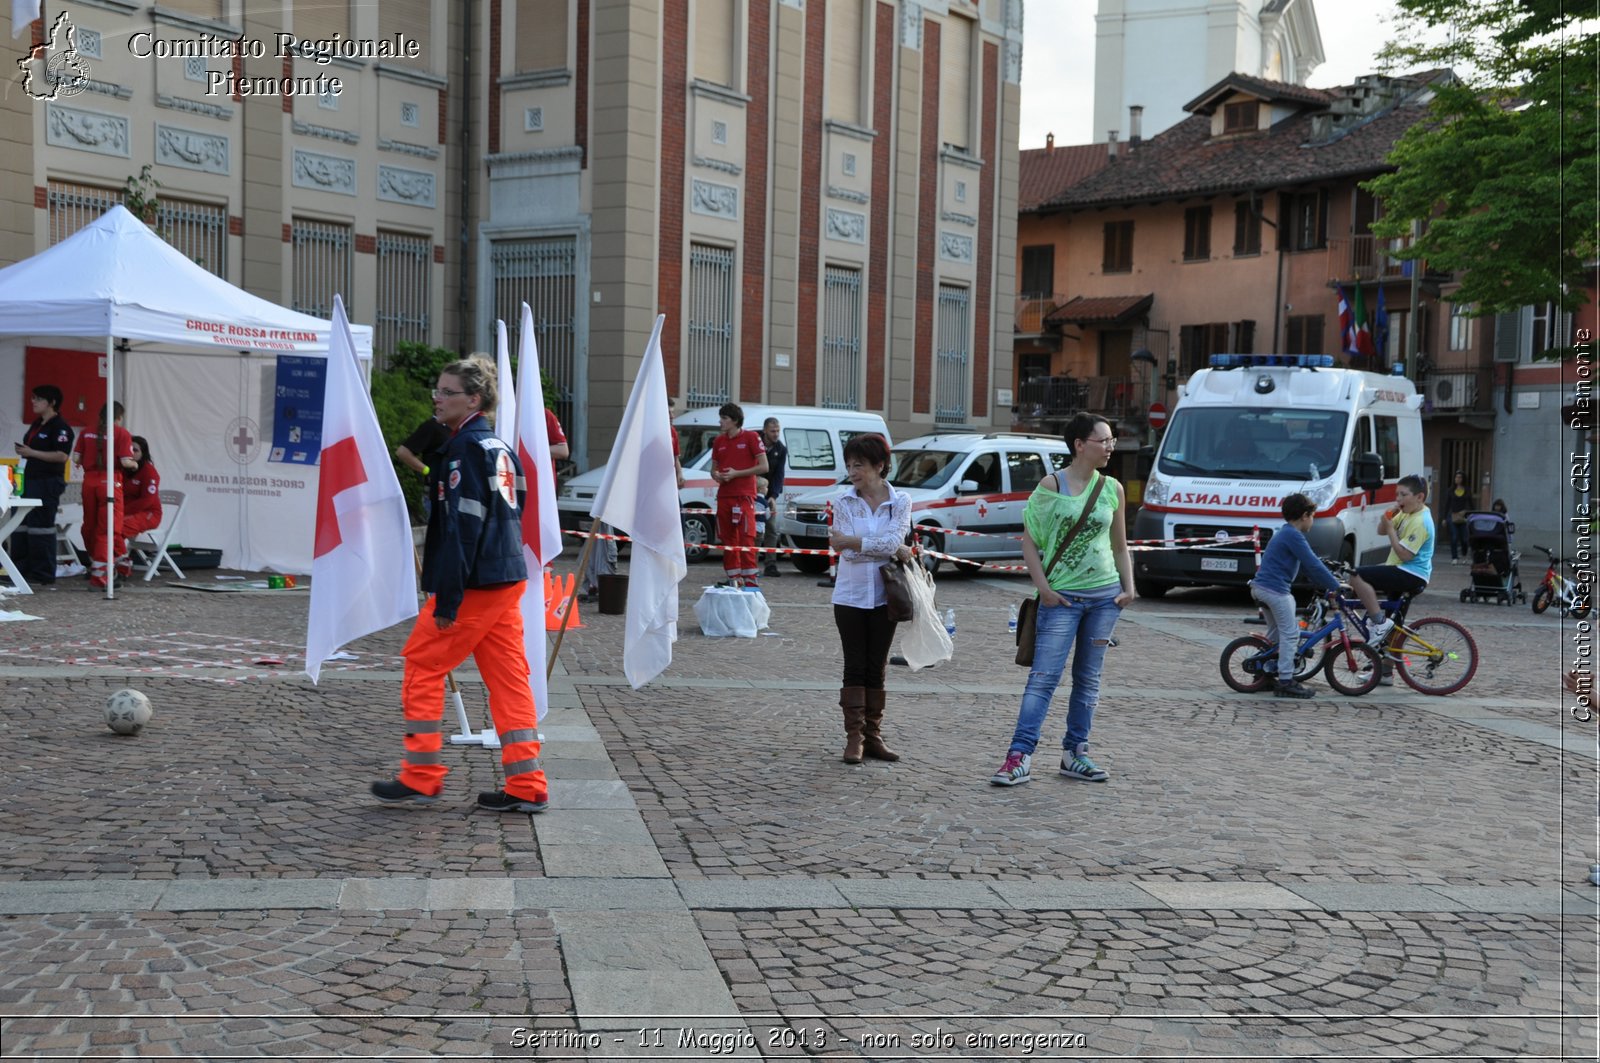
699 532
1149 588
931 541
811 564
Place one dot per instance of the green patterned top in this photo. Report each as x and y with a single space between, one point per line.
1088 564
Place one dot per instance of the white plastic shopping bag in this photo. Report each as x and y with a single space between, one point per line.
923 639
723 611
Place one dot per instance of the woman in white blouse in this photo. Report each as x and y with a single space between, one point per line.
870 524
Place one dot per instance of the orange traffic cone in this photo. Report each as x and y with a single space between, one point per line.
560 594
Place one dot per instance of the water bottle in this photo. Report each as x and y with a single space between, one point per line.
1011 621
950 622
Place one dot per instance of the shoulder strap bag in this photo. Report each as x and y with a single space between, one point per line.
1028 611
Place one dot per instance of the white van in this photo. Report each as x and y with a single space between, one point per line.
1254 428
963 481
815 439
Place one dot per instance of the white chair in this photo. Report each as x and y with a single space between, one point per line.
69 514
153 544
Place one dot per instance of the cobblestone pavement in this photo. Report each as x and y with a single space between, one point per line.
1392 876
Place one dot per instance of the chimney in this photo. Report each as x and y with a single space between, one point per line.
1111 144
1049 143
1135 114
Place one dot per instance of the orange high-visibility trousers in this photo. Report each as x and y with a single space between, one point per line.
94 522
488 626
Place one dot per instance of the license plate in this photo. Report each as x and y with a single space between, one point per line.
1219 564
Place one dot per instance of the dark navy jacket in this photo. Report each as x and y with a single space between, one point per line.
475 528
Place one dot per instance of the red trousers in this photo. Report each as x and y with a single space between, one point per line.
488 626
140 521
94 523
736 527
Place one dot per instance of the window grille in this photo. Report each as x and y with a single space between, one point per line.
953 347
73 206
709 362
841 339
321 266
199 231
404 262
542 272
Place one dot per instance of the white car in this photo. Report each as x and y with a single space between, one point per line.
815 439
967 481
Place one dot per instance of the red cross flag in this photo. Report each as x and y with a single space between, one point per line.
363 575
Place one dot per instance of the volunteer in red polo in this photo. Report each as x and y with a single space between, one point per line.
737 458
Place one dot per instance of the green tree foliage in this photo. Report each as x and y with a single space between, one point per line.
1503 178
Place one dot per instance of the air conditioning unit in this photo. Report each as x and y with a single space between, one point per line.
1453 391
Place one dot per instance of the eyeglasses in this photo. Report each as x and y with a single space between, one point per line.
1108 441
446 393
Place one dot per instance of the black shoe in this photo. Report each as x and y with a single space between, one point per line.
395 792
899 659
1293 689
500 801
772 571
828 582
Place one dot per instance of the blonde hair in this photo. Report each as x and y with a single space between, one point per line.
478 377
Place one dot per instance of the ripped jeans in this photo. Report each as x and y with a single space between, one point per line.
1082 622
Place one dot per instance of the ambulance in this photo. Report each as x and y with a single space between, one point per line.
1253 428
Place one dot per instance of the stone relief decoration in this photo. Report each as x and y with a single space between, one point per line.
178 103
911 26
405 186
192 151
310 129
421 151
847 225
724 166
102 134
1014 62
1014 16
326 173
955 247
964 219
849 194
719 201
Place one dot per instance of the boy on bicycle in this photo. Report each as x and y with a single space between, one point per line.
1281 561
1409 565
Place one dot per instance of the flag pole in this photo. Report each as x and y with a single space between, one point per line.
566 614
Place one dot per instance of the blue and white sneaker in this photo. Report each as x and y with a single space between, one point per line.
1077 765
1015 771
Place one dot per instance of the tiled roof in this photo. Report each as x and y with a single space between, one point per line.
1186 160
1206 102
1044 173
1099 310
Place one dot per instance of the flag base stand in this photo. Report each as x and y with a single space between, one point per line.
488 738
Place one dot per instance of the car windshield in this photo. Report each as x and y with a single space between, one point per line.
1253 444
923 468
693 441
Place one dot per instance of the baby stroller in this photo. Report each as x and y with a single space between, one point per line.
1494 563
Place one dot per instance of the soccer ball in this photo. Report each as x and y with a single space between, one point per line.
127 711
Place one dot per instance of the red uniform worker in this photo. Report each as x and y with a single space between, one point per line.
737 458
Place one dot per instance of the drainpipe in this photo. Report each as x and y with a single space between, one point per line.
1277 295
463 302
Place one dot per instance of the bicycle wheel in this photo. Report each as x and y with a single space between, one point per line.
1580 609
1435 655
1243 666
1542 598
1355 670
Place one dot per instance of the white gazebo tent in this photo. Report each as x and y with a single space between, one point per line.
117 279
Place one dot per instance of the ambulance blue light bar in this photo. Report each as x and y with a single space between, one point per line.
1258 361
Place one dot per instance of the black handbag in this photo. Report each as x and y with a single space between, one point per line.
896 594
1028 612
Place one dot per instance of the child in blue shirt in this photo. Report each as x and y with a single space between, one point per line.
1286 552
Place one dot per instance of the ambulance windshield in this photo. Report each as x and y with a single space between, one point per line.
1244 443
923 468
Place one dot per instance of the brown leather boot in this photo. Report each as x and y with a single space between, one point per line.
853 701
871 731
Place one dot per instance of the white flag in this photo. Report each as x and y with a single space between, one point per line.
505 414
541 522
363 569
24 13
639 496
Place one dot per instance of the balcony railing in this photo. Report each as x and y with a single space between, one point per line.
1032 309
1369 258
1047 402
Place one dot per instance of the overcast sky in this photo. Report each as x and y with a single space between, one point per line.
1058 61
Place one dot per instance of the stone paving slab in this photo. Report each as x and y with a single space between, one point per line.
916 893
1057 895
598 894
1361 897
761 894
223 894
39 898
1230 895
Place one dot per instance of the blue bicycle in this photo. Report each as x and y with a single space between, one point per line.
1250 663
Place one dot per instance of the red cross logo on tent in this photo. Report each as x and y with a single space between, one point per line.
341 470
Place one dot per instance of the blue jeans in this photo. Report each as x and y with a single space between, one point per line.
1082 622
1285 626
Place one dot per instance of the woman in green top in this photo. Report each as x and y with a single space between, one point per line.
1079 602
